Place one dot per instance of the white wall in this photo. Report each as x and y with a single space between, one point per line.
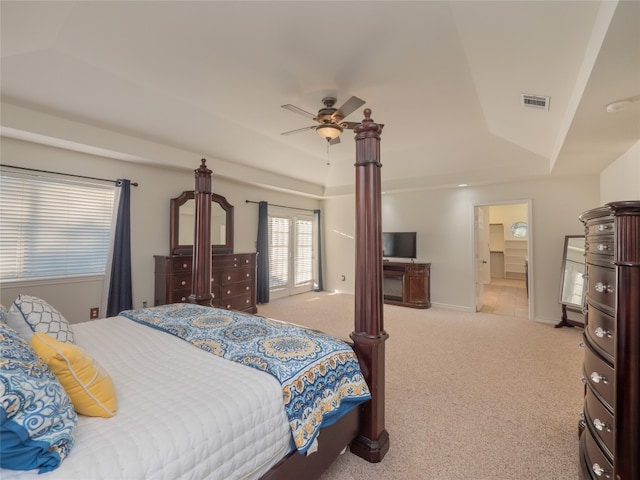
621 179
149 219
443 220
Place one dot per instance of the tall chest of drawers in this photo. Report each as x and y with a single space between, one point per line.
610 441
233 280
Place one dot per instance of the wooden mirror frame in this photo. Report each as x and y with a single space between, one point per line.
566 304
174 224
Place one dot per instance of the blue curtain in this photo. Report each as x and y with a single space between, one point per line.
319 285
120 289
262 284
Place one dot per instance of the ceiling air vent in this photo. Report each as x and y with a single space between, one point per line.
534 101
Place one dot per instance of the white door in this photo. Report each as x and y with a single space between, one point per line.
291 254
482 252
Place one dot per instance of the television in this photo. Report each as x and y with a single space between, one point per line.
399 244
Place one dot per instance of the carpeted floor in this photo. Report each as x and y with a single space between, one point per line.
470 396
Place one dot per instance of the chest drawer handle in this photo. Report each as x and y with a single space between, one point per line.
602 228
599 471
185 265
228 292
603 287
601 333
602 247
600 425
183 283
228 277
597 378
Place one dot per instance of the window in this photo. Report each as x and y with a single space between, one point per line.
52 227
291 253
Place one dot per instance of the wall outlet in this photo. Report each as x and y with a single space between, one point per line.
94 312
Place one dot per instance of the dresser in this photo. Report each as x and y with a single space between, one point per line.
610 440
233 280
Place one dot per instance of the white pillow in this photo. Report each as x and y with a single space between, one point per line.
31 314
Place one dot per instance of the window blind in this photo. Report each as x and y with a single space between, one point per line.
52 227
278 252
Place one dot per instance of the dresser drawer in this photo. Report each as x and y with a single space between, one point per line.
602 285
180 282
235 289
234 276
179 296
240 302
224 262
601 330
598 464
600 227
600 375
600 422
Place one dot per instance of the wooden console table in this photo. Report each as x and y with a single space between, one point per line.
407 284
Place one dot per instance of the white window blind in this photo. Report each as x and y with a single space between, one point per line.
304 252
52 227
278 252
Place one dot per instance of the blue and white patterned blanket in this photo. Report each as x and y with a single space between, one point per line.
320 375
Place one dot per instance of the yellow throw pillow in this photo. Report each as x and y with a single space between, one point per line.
89 387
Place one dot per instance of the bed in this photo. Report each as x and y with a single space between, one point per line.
183 412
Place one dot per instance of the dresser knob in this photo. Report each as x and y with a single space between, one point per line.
248 275
228 292
247 288
228 307
602 228
603 247
183 299
597 378
603 288
600 425
581 345
185 265
228 277
183 283
235 265
599 471
601 333
583 380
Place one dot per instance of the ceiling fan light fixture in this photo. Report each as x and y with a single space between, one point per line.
329 131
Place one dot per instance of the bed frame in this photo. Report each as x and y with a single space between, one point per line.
363 428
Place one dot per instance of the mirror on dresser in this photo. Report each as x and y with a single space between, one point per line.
182 222
572 281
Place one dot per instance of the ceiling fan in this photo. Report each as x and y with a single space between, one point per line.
330 119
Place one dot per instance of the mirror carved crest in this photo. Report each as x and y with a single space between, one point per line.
182 224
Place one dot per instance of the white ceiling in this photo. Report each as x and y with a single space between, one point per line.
445 77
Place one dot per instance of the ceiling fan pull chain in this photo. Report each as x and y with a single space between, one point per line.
328 162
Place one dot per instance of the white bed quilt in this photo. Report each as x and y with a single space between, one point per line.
182 412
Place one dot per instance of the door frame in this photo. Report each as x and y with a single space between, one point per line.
477 274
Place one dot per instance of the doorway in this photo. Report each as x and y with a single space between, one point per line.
502 259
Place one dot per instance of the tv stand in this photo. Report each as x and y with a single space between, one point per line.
407 284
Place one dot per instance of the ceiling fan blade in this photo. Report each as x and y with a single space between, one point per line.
299 130
348 107
300 111
334 141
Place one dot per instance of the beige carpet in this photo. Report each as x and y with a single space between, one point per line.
470 396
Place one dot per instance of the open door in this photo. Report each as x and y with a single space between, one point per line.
482 253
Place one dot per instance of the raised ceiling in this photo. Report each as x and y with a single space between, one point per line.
445 77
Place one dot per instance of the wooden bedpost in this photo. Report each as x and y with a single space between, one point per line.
369 336
201 263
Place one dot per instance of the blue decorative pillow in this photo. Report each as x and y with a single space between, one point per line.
37 419
32 314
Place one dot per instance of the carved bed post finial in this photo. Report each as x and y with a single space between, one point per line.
369 336
201 262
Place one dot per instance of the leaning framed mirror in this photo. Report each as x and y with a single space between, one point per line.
182 224
572 280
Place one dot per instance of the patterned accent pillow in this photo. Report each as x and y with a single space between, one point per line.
32 314
88 385
37 419
3 315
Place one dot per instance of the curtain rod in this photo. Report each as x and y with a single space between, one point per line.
135 184
283 206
